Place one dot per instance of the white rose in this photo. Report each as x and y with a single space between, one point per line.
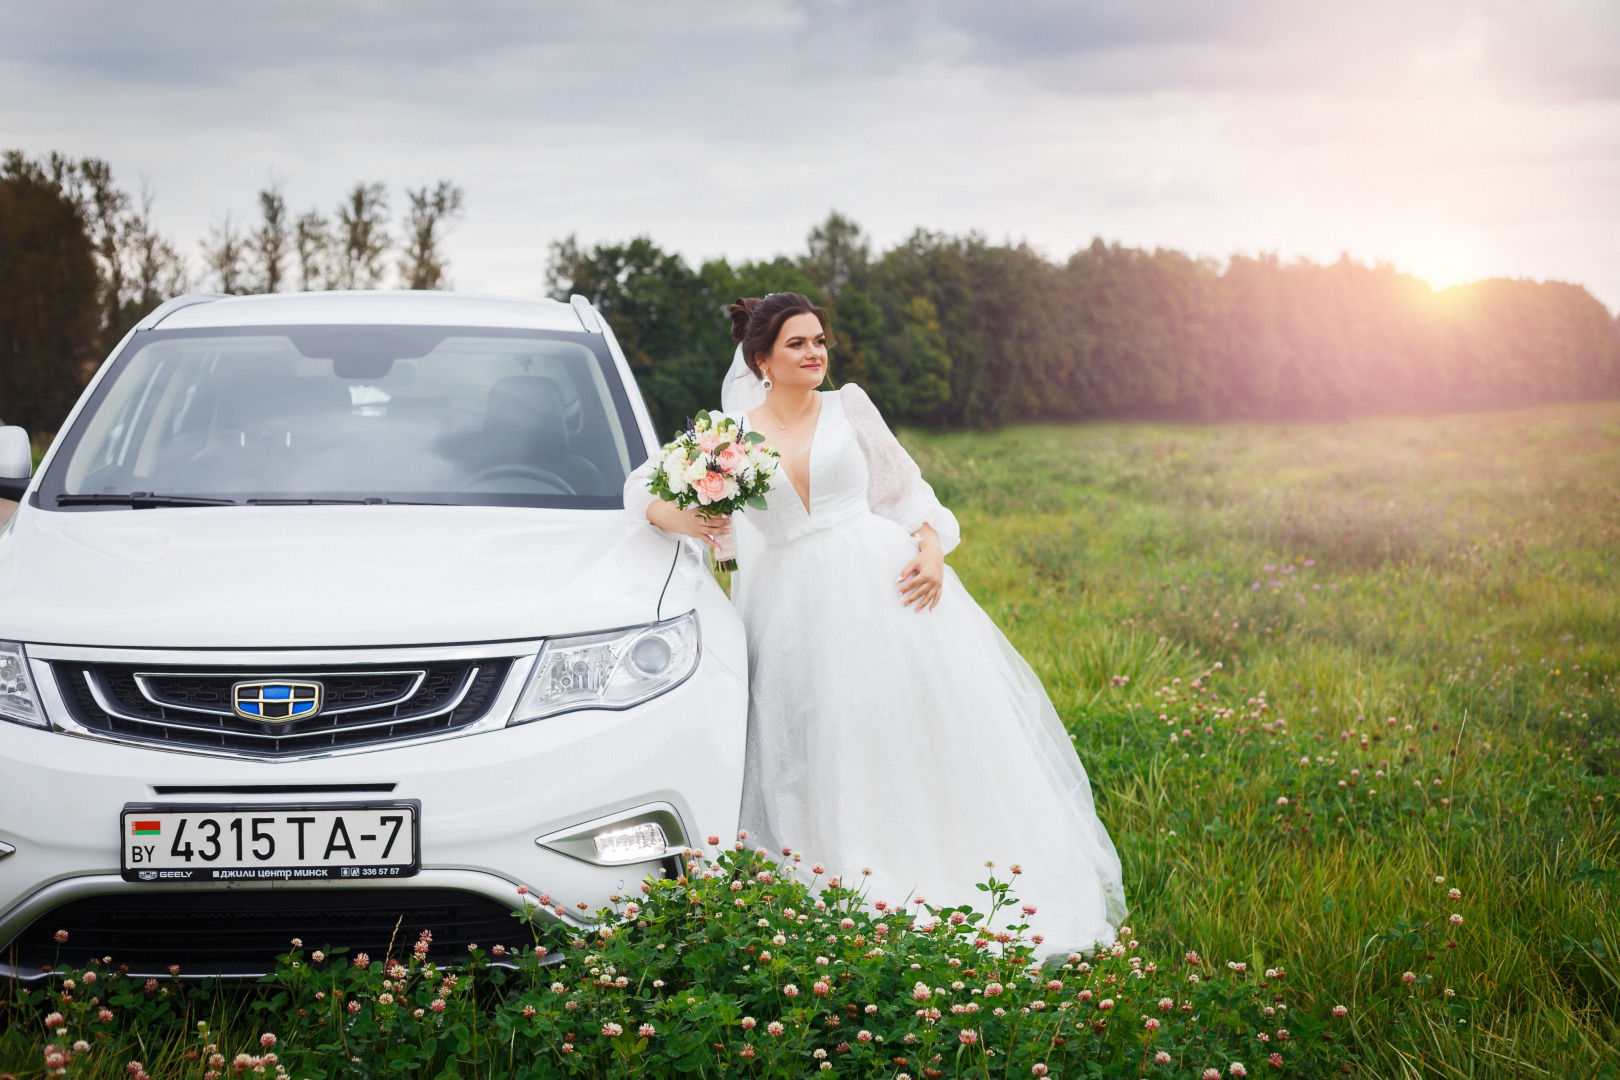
674 466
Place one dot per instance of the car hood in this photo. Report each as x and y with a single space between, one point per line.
323 576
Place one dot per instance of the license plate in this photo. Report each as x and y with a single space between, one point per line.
271 843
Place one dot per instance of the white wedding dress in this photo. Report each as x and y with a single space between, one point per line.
916 745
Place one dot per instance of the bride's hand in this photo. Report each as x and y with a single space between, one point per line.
689 522
922 582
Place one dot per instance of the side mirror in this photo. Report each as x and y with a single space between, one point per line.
16 462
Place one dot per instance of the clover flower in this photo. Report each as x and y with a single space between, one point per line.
774 1028
1237 1069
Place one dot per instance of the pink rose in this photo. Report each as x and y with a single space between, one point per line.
710 486
709 442
731 458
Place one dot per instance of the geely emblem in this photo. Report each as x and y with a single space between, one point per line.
276 701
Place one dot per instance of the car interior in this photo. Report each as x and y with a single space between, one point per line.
257 418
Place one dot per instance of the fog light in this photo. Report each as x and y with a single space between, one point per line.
638 843
634 834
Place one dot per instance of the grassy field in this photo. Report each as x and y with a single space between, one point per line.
1338 687
1417 627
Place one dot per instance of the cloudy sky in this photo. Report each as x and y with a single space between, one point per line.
1457 139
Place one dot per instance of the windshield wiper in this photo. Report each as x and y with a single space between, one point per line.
141 500
312 502
374 500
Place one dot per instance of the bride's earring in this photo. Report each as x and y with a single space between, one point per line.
766 382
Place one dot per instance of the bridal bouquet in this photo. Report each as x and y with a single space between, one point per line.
718 467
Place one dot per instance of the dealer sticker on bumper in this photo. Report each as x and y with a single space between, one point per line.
270 843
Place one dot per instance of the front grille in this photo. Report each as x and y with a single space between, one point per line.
362 704
240 932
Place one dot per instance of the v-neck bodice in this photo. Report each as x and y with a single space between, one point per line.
838 482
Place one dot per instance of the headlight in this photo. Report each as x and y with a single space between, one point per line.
616 670
18 702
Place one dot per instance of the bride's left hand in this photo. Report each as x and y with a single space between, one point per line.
922 582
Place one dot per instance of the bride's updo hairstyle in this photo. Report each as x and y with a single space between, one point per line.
756 324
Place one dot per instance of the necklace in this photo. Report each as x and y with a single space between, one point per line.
779 425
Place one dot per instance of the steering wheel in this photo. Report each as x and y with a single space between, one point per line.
529 472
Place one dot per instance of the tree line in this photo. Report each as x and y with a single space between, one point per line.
942 330
955 331
82 261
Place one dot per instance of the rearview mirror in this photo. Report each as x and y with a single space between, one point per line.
16 462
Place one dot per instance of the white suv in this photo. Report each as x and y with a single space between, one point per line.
322 619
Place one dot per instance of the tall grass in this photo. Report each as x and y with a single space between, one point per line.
1321 675
1459 574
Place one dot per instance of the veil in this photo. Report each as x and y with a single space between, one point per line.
741 391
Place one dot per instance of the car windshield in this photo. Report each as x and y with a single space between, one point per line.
352 413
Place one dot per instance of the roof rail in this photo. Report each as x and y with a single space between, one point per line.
169 307
589 317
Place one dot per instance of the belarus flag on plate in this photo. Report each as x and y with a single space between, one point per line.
146 828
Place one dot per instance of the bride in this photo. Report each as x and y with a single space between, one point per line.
891 727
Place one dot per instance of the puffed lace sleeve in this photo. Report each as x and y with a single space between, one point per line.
895 488
637 498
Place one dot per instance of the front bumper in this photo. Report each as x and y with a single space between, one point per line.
487 794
